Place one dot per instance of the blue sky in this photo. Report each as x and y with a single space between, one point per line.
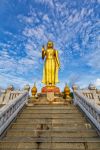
74 26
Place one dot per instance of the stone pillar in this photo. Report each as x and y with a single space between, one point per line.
75 88
7 97
10 88
27 88
93 89
8 93
2 97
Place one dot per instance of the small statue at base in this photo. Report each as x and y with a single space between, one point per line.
34 90
67 94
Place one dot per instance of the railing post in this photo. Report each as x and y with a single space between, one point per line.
2 97
75 88
6 98
93 89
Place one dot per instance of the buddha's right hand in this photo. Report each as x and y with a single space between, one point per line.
43 48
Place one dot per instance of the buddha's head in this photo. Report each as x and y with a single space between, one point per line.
50 44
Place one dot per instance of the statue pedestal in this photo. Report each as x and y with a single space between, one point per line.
50 96
48 89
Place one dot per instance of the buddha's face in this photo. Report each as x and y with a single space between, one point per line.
50 44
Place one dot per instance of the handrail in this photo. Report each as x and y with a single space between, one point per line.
8 96
10 111
90 107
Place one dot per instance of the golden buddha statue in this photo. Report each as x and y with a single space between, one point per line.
51 65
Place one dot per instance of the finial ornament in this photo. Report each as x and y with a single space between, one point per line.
34 90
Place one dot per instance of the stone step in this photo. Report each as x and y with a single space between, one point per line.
50 108
60 126
46 128
53 105
49 139
41 115
50 111
52 133
51 146
51 120
51 127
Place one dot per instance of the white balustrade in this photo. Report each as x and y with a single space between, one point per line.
99 96
10 111
8 96
89 105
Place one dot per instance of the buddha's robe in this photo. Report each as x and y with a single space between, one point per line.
51 66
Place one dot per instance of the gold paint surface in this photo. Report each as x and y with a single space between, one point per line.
51 65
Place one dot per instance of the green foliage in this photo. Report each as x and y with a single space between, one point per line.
71 95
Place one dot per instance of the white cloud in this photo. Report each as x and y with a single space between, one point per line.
97 82
93 59
46 18
61 24
98 1
38 32
32 50
6 80
11 65
47 2
28 20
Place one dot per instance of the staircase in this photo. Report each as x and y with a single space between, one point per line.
50 127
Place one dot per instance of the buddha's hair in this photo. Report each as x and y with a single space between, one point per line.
50 42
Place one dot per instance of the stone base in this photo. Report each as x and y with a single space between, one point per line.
68 100
48 89
44 101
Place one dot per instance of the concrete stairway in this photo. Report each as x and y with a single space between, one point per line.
50 127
